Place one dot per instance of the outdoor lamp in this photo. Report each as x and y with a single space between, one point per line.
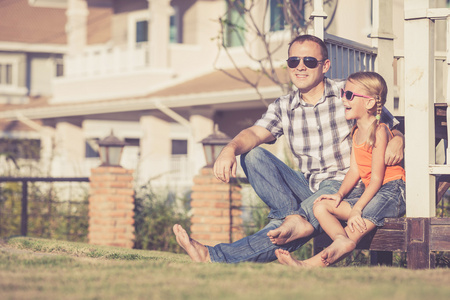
213 144
110 149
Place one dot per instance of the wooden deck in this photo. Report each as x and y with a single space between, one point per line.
418 237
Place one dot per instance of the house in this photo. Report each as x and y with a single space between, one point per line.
154 86
148 71
31 55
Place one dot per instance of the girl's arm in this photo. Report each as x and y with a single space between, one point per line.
376 181
350 180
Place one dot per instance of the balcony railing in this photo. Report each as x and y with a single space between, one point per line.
102 60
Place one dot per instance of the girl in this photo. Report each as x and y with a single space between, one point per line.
363 98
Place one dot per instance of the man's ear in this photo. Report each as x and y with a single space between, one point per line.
326 66
371 103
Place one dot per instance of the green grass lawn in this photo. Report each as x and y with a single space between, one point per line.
33 268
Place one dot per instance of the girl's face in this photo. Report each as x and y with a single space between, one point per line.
358 107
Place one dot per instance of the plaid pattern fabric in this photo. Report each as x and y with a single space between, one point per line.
318 135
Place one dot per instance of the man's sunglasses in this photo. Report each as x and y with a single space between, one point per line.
310 62
349 95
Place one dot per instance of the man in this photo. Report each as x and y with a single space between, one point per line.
312 118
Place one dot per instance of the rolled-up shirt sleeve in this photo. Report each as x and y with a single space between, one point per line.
271 120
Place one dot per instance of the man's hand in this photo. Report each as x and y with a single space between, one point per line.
336 197
225 165
394 150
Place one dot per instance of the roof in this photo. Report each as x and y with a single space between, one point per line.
21 22
214 88
222 80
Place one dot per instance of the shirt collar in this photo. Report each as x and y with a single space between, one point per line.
332 87
330 91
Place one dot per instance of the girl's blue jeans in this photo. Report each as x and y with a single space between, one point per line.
286 192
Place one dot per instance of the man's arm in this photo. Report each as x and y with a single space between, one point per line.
225 165
395 149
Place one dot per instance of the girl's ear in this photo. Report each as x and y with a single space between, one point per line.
371 103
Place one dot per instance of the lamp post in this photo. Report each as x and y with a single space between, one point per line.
213 144
110 149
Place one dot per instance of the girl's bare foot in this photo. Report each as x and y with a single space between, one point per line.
340 247
293 227
285 258
197 251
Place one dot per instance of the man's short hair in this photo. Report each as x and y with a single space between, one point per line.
310 38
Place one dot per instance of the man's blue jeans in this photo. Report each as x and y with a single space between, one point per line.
286 192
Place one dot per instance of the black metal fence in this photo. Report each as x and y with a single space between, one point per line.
57 208
45 207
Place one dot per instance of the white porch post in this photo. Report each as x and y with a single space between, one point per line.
419 109
448 82
202 125
155 149
383 38
159 26
318 16
76 26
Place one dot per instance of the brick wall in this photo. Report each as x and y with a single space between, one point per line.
111 205
216 210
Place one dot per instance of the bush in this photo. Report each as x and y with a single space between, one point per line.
10 209
50 214
155 215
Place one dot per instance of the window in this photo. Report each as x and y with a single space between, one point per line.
6 74
179 147
17 148
91 148
137 29
277 14
235 27
141 31
174 32
59 67
132 142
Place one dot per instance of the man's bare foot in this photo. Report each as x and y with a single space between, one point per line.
285 258
293 227
197 251
340 247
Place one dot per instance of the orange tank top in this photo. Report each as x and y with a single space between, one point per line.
363 155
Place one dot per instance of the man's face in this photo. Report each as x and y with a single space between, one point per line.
302 77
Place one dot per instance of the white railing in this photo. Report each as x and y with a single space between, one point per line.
181 169
176 171
96 61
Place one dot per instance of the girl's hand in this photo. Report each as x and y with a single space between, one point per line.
355 221
336 197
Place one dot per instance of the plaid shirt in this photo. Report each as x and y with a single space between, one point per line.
318 135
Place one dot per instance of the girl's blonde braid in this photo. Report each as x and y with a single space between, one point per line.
379 108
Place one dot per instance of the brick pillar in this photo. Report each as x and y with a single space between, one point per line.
111 204
216 210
